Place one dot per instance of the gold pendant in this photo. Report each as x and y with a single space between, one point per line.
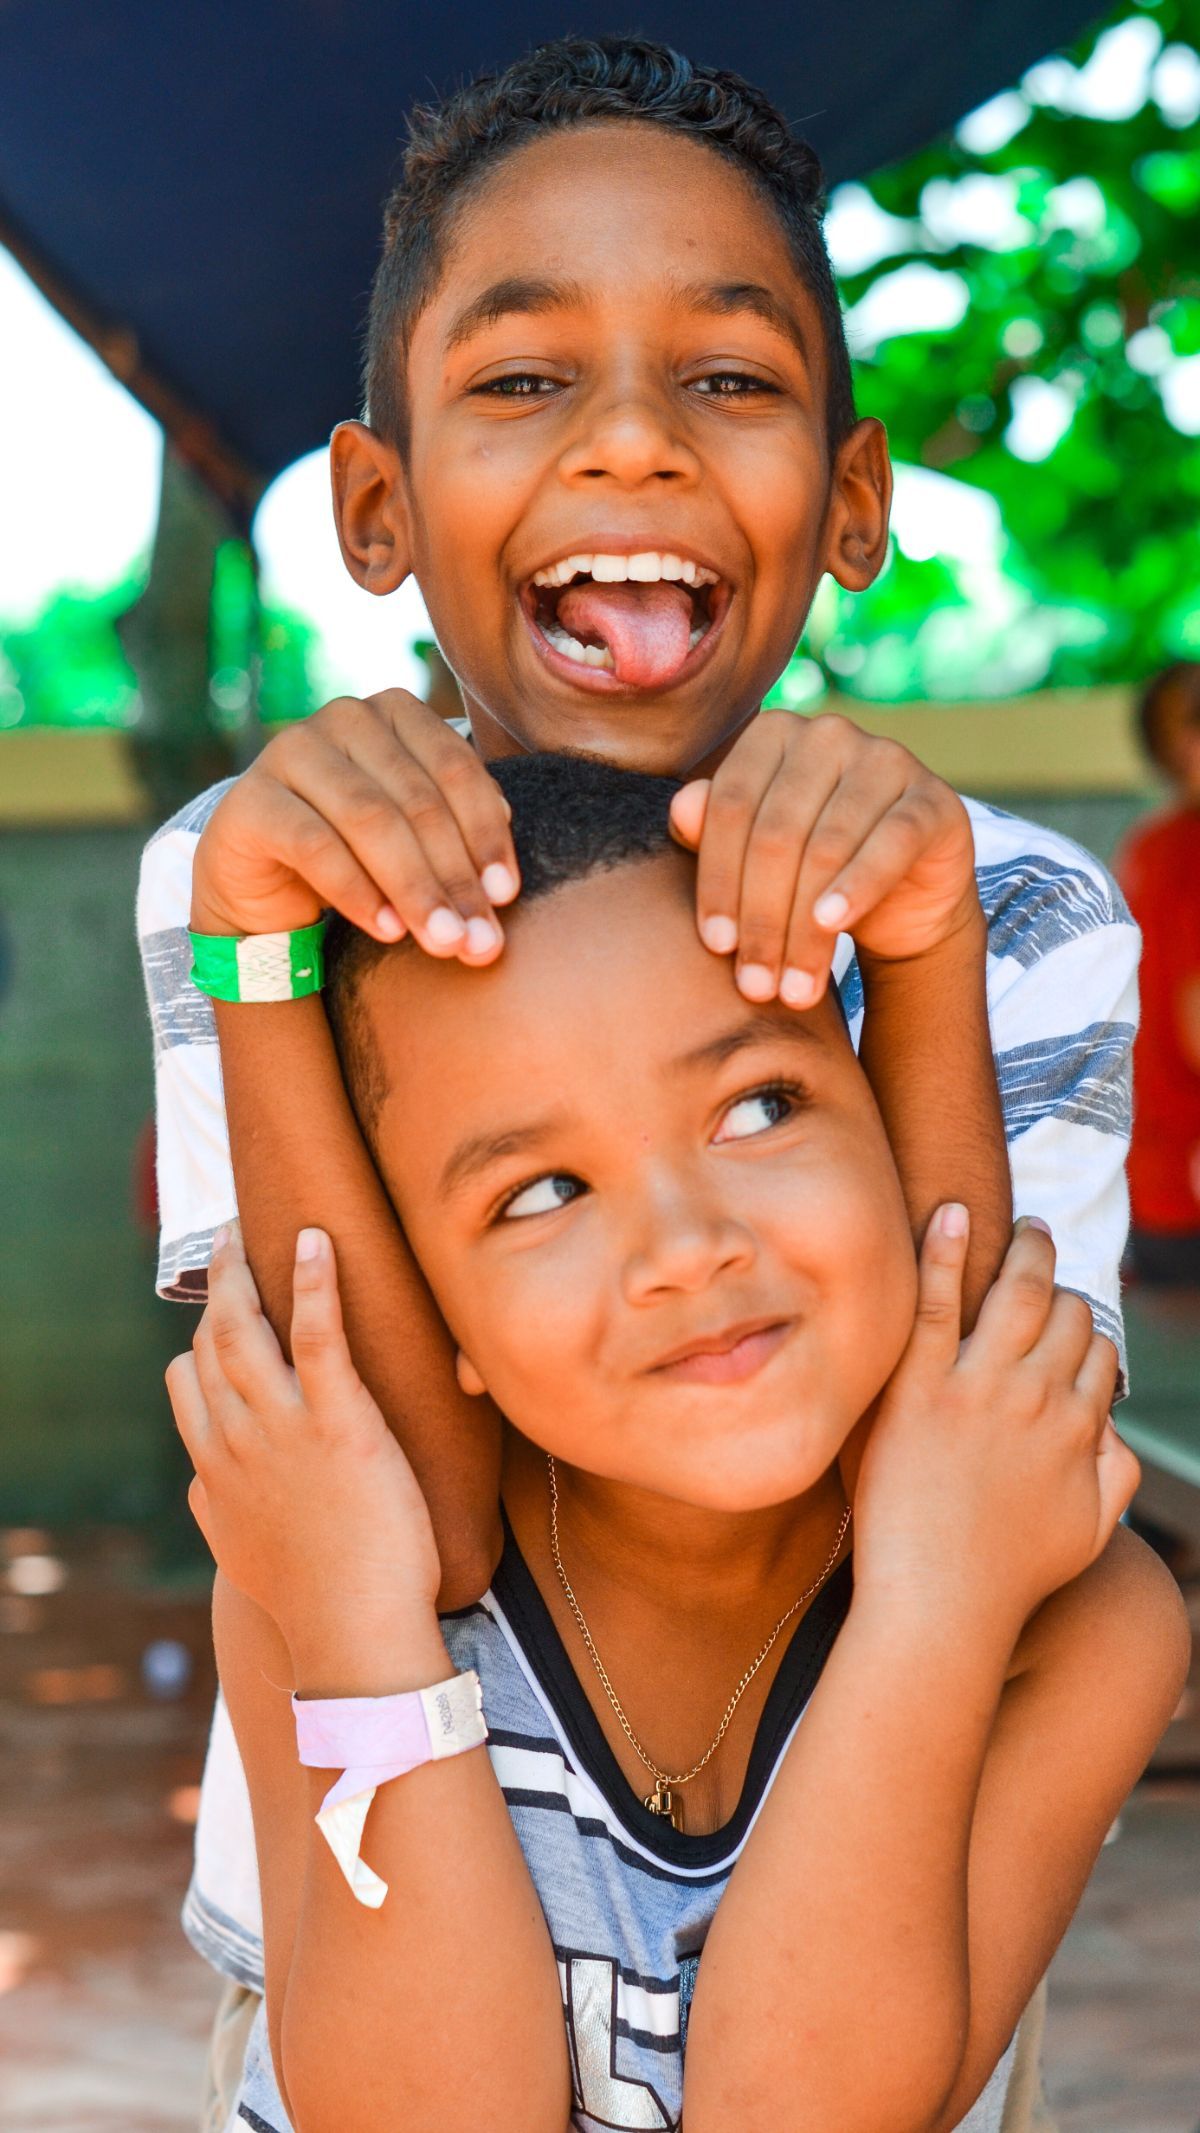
662 1801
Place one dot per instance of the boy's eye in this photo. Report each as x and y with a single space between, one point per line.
517 385
543 1196
757 1112
731 385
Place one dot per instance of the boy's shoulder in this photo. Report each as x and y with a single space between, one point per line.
189 820
1039 889
1124 1623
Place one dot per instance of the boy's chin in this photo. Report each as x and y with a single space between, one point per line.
749 1471
734 1493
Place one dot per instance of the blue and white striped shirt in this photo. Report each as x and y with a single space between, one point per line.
1062 999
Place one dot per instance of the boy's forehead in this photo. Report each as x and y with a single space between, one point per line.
603 206
609 966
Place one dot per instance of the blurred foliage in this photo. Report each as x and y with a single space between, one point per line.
261 657
1090 290
1060 252
69 668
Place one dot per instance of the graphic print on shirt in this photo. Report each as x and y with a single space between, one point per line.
604 2097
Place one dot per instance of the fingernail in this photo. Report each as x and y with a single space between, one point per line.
389 923
481 936
1035 1222
309 1244
756 982
830 911
444 927
953 1219
719 934
498 884
798 988
220 1237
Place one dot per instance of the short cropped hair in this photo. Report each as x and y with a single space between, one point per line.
571 818
577 81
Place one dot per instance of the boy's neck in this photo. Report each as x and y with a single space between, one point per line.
492 740
674 1560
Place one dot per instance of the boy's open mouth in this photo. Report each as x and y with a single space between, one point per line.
625 621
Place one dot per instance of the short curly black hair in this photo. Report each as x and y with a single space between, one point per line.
576 81
571 818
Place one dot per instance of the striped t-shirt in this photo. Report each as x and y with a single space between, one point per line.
627 1898
1062 1000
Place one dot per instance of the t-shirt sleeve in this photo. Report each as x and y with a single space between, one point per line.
1062 987
195 1178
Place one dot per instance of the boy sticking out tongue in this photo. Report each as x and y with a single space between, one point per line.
640 631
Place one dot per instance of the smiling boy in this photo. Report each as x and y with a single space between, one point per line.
663 1225
605 342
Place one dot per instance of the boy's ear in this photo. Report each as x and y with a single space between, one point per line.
370 507
856 525
468 1377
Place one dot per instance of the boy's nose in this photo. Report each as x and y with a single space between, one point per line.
684 1245
628 437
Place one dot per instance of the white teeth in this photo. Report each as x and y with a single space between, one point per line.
584 655
644 568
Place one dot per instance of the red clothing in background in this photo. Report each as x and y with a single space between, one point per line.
1159 870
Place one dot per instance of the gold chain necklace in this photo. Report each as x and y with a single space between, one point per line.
662 1801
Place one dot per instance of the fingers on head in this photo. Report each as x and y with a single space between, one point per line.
429 822
688 810
877 859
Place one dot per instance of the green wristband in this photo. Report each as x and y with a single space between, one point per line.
259 966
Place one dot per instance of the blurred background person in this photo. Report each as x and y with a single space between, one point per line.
1159 871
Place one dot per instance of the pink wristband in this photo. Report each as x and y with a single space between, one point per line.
373 1739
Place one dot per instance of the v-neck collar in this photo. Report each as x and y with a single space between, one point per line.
517 1592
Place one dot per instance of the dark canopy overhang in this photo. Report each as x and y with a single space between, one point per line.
198 188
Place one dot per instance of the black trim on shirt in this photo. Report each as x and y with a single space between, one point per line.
799 1671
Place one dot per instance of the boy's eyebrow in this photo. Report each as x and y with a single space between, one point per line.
479 1150
517 293
529 295
757 1029
731 297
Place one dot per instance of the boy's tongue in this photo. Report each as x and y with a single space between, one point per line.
646 627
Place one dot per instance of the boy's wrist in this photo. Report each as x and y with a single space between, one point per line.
962 945
375 1651
945 1614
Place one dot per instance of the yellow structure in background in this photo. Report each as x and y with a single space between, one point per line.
1056 742
55 778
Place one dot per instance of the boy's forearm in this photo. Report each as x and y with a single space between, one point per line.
926 1049
834 1989
299 1159
441 2009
